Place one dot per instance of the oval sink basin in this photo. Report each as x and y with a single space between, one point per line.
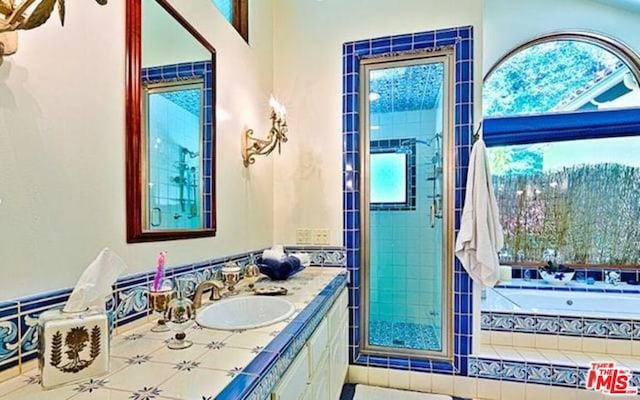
244 313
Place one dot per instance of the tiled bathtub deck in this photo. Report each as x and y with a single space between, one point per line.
143 368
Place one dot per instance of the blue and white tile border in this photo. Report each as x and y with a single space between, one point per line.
461 39
327 256
603 328
529 372
128 303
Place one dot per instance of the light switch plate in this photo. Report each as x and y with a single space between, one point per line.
321 236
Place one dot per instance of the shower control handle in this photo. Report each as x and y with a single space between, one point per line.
433 214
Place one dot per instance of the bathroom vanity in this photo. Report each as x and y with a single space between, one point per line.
303 357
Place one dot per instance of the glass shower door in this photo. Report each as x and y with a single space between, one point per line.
405 213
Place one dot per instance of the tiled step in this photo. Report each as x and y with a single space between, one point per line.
554 357
567 369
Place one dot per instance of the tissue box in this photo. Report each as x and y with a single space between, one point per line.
73 346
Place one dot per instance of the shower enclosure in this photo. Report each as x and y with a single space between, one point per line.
406 203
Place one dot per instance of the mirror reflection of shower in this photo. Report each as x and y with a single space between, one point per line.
434 165
187 181
174 124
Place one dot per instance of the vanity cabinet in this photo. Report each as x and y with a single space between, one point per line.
319 370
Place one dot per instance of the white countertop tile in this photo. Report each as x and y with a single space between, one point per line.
197 384
139 376
141 364
168 355
227 359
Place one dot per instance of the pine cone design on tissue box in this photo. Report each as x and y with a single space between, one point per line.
75 343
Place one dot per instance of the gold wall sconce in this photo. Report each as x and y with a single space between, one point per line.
25 15
252 146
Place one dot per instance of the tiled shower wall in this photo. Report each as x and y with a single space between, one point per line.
406 276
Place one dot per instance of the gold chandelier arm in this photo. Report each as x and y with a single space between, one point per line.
252 146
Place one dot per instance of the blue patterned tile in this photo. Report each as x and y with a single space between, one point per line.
620 329
513 371
9 339
539 373
595 328
566 376
570 326
547 324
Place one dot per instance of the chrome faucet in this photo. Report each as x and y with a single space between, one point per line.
231 277
212 284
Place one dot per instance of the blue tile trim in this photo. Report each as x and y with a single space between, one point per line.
462 41
194 70
272 362
605 328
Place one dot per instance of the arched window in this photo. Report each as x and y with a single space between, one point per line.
562 122
562 73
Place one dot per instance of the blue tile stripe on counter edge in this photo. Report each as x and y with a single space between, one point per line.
462 41
128 303
264 372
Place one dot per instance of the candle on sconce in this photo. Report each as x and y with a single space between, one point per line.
278 108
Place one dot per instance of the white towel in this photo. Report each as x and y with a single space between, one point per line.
276 253
480 238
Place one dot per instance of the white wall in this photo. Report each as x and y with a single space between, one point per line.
505 27
62 119
308 80
165 41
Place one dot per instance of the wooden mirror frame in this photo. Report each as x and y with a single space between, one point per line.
134 132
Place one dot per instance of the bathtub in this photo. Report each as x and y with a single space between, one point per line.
563 303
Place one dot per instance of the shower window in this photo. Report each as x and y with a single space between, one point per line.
393 174
563 134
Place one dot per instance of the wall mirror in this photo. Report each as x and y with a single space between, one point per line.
170 126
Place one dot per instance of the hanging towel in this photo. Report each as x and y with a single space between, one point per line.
480 237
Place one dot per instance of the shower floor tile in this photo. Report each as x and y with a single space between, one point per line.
403 335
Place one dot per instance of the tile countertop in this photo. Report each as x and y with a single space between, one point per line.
143 368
